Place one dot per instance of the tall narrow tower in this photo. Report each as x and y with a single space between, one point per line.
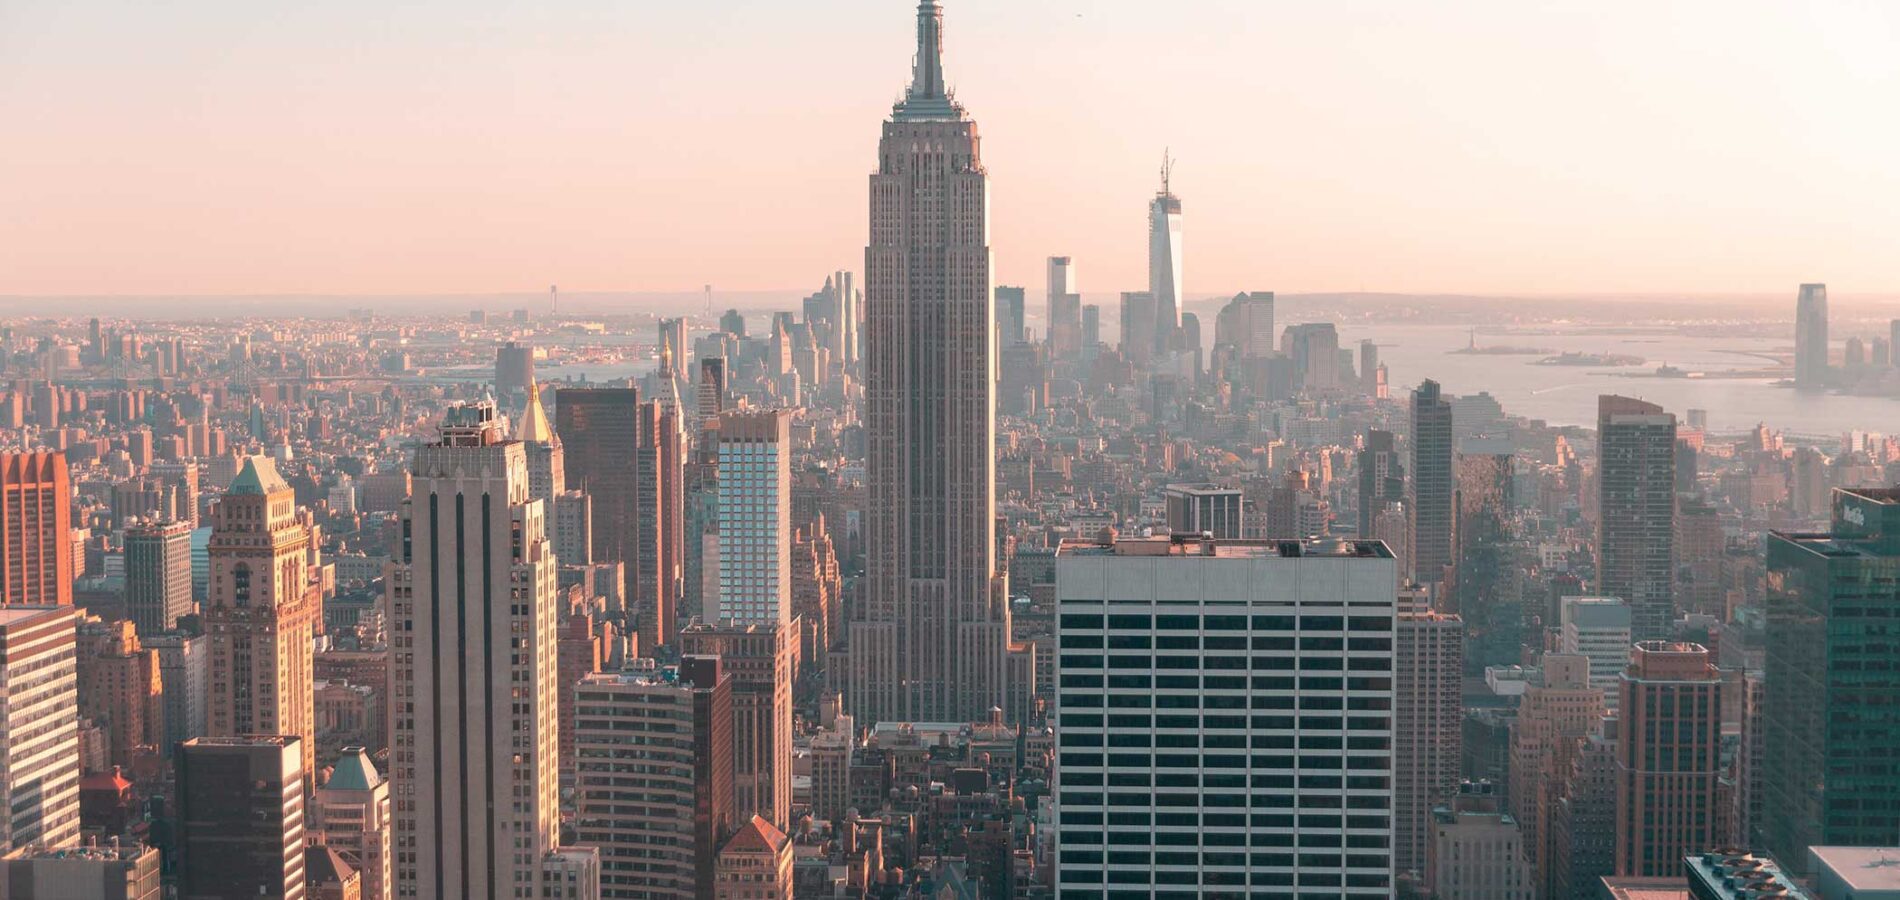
262 612
1164 259
1810 336
474 738
932 641
1636 511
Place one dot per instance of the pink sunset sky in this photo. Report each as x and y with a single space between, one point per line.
1478 146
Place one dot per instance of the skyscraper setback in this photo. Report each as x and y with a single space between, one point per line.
933 637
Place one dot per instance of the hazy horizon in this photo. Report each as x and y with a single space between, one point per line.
1486 148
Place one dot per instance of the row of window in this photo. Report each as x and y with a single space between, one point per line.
1176 622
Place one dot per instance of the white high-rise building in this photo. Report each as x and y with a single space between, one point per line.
1226 717
1164 260
1598 629
931 641
755 496
472 606
39 727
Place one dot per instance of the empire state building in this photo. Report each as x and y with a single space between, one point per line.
931 641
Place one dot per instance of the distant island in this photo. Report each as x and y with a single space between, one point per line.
1603 360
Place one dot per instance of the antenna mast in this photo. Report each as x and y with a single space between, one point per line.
1167 169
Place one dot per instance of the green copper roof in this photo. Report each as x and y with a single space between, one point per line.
259 476
353 772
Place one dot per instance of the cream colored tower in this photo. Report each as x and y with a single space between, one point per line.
474 707
261 612
933 637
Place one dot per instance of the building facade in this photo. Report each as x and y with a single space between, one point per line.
1829 682
653 778
39 727
241 818
158 575
1225 718
36 516
1668 757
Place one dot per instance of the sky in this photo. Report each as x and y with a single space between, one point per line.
442 146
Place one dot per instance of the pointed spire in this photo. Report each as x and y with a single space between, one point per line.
927 80
534 428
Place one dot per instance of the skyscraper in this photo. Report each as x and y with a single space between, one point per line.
1636 511
1314 347
758 657
1239 733
241 818
1598 629
1009 315
599 429
1195 509
36 517
755 498
39 727
1829 720
659 539
1064 305
262 612
654 778
1138 326
1428 712
1668 756
933 638
547 461
1553 718
1246 325
184 669
1433 484
1381 479
514 369
157 576
1810 337
475 731
1164 260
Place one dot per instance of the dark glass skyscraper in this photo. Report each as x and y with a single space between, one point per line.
1433 483
1832 742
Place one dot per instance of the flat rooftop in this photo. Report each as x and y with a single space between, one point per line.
12 614
1861 868
1192 545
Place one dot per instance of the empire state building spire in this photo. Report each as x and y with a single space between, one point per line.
928 98
927 80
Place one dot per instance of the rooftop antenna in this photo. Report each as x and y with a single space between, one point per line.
1167 169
